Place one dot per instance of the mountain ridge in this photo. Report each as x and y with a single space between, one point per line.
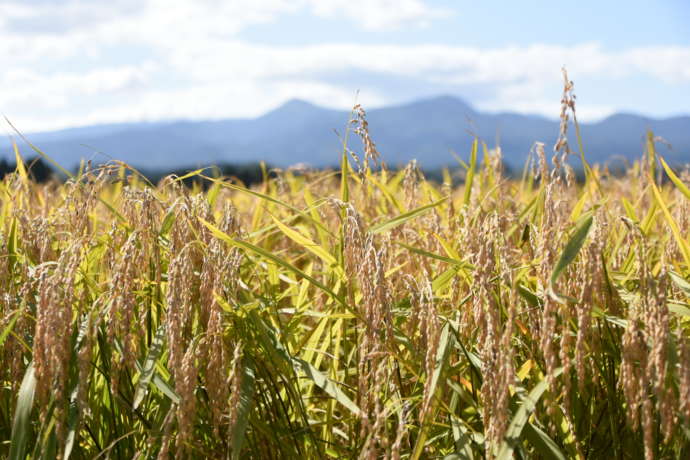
301 132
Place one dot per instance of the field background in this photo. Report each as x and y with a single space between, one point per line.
357 313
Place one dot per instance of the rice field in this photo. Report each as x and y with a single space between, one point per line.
359 313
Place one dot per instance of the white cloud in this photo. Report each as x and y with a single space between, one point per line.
37 90
183 59
670 64
380 14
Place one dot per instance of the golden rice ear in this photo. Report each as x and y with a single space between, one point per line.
369 314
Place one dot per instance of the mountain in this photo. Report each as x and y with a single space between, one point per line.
299 132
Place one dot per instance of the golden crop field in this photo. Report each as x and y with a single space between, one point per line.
359 313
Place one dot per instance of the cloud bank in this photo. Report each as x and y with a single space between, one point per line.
78 62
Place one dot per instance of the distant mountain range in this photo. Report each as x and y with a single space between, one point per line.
299 132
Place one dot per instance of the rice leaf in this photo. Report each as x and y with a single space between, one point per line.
674 178
532 299
577 210
444 345
469 179
10 325
520 418
245 406
615 320
327 385
431 255
21 169
681 309
149 366
112 209
37 150
629 210
386 193
21 426
267 255
12 246
572 248
265 197
682 243
73 414
681 282
168 222
544 445
524 370
72 422
165 388
463 448
195 173
306 243
402 218
443 279
313 211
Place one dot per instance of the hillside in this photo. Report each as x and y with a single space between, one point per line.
299 132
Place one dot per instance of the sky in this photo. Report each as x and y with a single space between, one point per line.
82 62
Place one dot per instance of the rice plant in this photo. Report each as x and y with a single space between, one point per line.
359 313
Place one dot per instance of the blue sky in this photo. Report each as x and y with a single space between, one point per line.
79 62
